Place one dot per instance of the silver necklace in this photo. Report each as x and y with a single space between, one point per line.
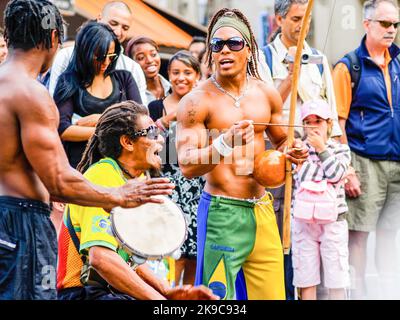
237 99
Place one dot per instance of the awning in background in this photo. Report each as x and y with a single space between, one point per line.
146 21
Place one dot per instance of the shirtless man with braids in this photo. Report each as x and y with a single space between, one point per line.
33 165
239 250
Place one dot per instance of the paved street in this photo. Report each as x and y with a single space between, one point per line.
375 288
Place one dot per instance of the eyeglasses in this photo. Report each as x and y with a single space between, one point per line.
102 58
151 132
387 24
234 44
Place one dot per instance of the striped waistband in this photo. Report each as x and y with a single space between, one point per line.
235 201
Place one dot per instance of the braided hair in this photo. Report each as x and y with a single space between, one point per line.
117 120
252 66
29 24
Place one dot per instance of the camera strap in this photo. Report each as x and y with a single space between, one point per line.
268 57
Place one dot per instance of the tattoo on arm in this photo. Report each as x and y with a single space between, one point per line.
192 112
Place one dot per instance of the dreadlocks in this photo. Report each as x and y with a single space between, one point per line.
117 120
29 24
252 66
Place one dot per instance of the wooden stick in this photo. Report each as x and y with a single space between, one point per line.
282 125
293 104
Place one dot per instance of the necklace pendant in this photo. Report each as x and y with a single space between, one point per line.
237 104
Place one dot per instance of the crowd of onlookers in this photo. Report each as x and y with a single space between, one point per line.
361 101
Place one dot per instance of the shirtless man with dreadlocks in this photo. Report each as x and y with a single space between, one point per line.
239 249
33 165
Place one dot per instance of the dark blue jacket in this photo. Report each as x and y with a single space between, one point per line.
373 126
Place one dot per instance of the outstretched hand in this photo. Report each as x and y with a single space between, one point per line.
188 292
138 191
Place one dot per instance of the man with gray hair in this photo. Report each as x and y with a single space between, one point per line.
118 16
367 88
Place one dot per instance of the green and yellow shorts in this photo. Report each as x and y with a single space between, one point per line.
240 254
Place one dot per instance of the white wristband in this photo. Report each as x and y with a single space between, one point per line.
220 145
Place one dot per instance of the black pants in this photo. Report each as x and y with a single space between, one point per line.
28 250
91 293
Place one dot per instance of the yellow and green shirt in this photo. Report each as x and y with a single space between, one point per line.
92 226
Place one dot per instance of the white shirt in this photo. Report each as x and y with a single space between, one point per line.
311 84
166 86
63 58
263 69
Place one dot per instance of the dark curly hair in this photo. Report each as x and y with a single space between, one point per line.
117 120
30 23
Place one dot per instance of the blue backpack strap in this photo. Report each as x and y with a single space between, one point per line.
320 66
354 69
268 56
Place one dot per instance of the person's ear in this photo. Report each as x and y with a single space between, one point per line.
330 127
126 143
55 38
249 57
278 20
366 24
99 17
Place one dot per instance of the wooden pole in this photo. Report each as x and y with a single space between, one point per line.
293 105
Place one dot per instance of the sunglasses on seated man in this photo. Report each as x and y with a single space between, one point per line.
234 44
151 132
387 24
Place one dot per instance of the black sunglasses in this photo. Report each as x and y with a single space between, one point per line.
151 132
387 24
112 57
234 44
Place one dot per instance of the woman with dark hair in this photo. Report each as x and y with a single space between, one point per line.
145 51
89 85
183 72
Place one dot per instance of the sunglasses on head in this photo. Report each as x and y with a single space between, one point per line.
151 132
234 44
102 58
387 24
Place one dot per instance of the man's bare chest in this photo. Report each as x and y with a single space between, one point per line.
223 113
